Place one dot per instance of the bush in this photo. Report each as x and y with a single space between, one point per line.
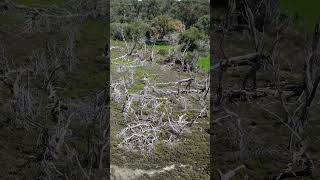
160 26
138 30
203 24
132 31
190 37
117 28
176 25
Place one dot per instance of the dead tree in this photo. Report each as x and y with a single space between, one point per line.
297 120
258 43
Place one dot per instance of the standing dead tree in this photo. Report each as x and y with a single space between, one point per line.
298 121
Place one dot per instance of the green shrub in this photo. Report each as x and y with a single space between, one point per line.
131 31
117 29
160 26
203 23
190 38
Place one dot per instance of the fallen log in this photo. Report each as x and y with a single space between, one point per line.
245 60
244 95
288 91
176 82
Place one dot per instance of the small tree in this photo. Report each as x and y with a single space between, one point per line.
132 31
118 30
138 30
190 37
160 26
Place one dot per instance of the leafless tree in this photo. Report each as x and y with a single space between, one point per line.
295 115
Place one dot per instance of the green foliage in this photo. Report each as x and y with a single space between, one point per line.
162 47
138 29
118 30
186 11
160 26
189 12
190 37
129 10
154 19
203 23
132 31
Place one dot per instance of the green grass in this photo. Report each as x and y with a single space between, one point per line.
308 9
204 63
136 88
162 47
125 62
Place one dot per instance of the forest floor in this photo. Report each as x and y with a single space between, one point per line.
188 158
19 145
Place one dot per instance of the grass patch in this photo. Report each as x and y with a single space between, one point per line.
162 47
204 63
136 88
